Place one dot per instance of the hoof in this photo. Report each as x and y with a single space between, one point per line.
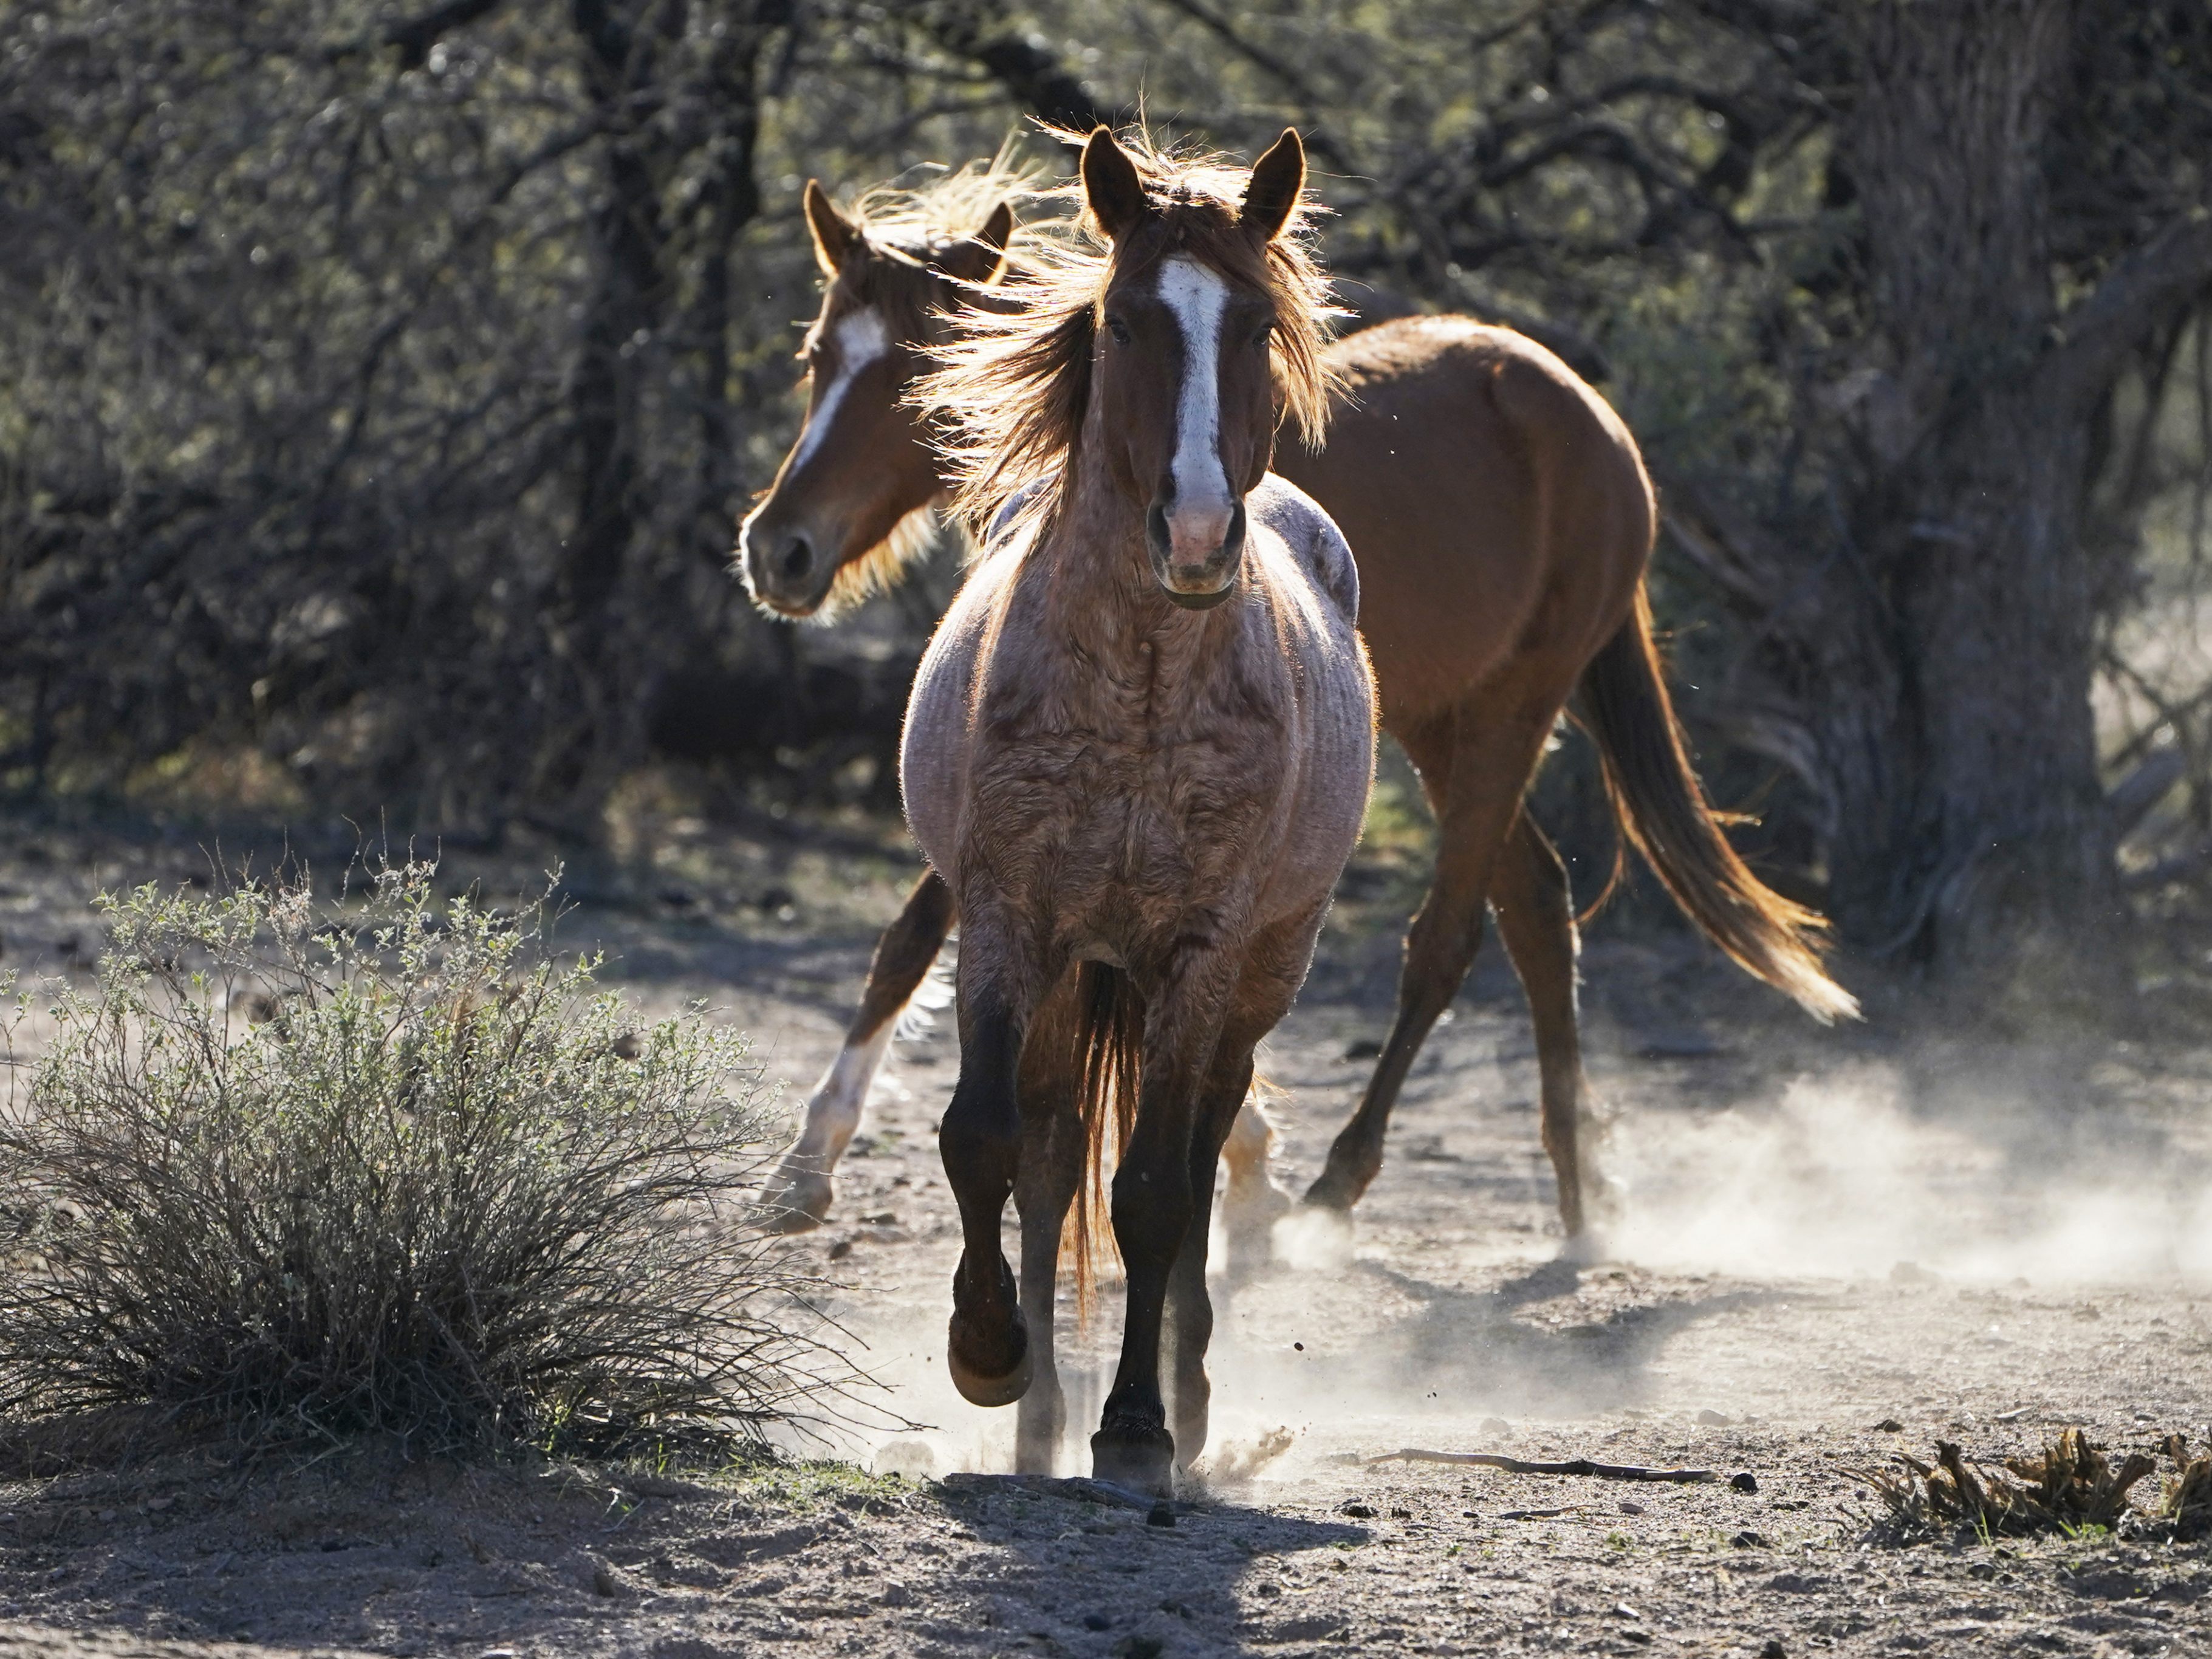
986 1353
1135 1455
1332 1190
981 1388
795 1201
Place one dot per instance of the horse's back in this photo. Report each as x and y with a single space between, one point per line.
1498 505
1299 546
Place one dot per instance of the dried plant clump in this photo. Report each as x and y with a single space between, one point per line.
2185 1501
384 1165
2068 1488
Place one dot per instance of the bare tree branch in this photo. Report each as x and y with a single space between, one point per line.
2141 294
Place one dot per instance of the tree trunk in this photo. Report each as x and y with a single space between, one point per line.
1934 661
1981 837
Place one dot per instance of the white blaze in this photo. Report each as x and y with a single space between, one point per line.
1197 297
861 339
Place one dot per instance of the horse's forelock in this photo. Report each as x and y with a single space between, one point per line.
1013 383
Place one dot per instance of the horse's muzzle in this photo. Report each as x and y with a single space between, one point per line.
1201 583
784 569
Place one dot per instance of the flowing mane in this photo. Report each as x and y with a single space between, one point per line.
1012 381
903 228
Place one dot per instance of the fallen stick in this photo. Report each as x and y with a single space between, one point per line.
1582 1466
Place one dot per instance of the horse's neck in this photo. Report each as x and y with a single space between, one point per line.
1099 592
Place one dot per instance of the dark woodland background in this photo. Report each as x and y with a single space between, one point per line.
379 389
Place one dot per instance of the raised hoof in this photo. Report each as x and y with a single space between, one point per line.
1334 1189
980 1387
989 1359
1135 1455
796 1200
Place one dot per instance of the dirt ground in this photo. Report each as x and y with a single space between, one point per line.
1830 1249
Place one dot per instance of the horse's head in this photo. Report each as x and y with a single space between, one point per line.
1183 380
845 507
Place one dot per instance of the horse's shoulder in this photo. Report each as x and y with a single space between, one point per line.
1305 528
1006 519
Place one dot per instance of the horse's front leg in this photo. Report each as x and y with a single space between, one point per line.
1155 1204
1055 1164
988 1350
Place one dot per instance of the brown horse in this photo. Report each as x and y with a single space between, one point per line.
1502 519
1138 751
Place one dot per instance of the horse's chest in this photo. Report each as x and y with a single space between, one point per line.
1120 811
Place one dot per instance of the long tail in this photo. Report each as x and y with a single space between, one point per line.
1662 810
1109 1048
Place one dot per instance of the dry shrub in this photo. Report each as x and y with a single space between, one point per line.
2068 1488
2185 1501
384 1165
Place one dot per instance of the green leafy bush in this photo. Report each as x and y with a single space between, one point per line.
385 1165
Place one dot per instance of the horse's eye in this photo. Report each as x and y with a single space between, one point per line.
1118 329
1261 340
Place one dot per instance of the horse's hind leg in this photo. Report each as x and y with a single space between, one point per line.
1475 765
1190 1305
798 1198
1536 919
1252 1203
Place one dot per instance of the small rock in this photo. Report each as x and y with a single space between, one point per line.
1744 1480
1631 1508
1748 1540
496 1653
896 1596
1496 1425
841 1250
1363 1049
1639 1637
1774 1650
1889 1426
1357 1511
108 1515
1139 1647
887 1218
157 1504
1097 1621
1622 1610
1712 1419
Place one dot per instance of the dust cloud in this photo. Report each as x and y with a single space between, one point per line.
1842 1179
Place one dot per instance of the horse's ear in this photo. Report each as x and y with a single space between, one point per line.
980 257
1278 177
834 235
1111 188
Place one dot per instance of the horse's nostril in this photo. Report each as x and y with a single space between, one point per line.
798 558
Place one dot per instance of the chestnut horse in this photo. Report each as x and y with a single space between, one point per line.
1501 520
1138 751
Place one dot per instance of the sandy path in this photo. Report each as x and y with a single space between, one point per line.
1810 1246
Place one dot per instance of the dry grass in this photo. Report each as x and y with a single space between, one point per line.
2186 1496
2069 1487
385 1166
